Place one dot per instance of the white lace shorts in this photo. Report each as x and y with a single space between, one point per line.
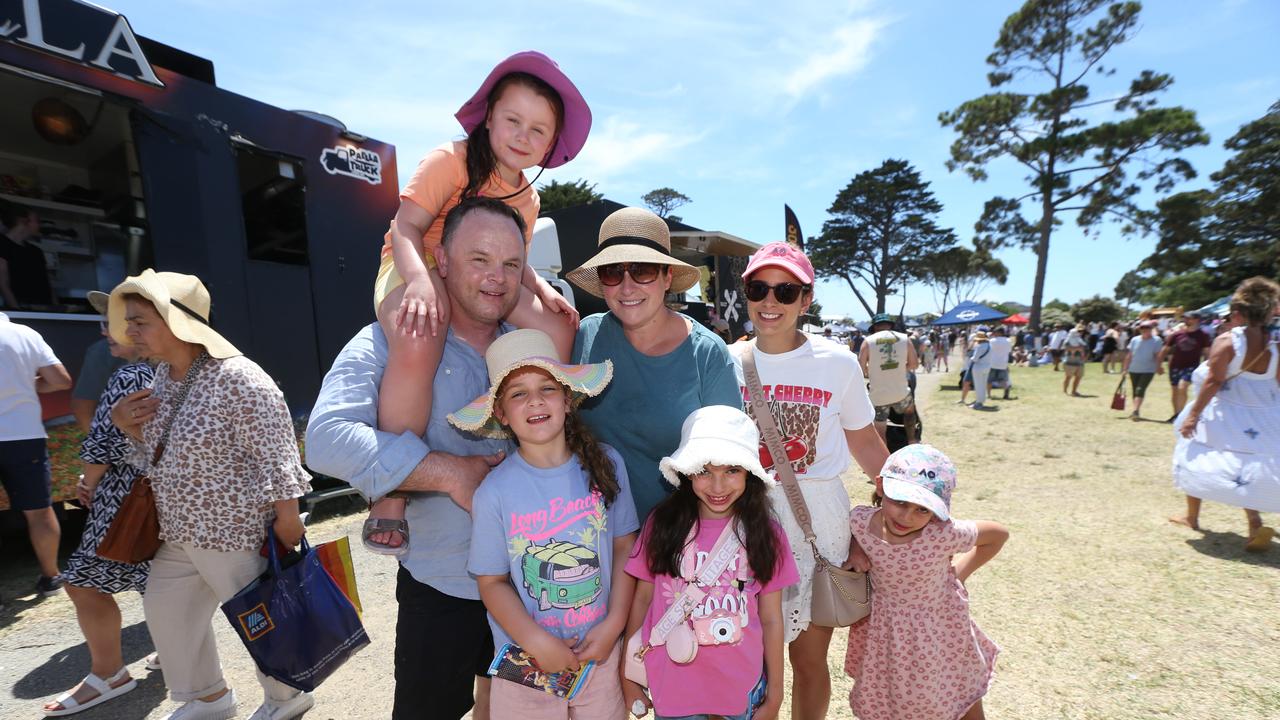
829 509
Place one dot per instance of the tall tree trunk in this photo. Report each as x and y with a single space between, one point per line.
1042 261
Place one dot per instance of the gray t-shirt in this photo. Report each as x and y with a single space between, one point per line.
1143 352
546 529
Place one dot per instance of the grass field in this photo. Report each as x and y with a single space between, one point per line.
1103 609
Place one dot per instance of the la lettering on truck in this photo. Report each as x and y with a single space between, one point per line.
133 157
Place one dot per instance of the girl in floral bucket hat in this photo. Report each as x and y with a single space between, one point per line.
551 526
920 654
526 113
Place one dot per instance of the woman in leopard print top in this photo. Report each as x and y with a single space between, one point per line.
214 436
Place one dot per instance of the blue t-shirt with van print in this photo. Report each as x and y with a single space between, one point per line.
554 537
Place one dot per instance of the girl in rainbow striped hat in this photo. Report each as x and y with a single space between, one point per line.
552 526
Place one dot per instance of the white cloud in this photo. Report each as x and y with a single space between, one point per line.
618 146
845 51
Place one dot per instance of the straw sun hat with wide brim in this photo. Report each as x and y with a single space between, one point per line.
182 302
526 348
633 235
577 115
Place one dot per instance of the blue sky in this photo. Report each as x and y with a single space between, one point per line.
741 106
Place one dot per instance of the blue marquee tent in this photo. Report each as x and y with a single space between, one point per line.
969 312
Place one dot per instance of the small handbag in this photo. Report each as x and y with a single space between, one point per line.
134 534
840 597
1118 399
672 630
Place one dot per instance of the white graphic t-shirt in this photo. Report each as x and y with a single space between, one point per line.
1001 347
887 365
816 392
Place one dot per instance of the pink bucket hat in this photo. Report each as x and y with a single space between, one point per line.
781 255
577 116
920 474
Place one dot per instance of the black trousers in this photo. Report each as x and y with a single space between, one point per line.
442 644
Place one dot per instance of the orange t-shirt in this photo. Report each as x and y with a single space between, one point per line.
436 186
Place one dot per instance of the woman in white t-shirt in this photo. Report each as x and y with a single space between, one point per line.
818 397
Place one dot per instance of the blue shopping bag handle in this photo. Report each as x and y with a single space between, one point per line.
273 557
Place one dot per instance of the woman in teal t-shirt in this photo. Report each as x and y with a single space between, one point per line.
665 365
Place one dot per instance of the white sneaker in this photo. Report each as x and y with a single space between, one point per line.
224 708
286 709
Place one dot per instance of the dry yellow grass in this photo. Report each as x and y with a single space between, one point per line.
1103 609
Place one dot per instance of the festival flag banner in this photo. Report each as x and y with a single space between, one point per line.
793 235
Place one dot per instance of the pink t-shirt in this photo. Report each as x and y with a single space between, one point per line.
720 678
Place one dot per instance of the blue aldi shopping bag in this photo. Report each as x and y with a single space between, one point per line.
298 626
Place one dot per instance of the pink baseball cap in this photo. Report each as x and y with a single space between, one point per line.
781 255
577 115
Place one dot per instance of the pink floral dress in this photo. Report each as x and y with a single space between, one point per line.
918 656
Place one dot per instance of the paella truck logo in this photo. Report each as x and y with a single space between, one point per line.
353 162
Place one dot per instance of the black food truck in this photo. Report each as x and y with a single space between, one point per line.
133 157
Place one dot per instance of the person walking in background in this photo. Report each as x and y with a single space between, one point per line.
1142 363
1001 350
28 368
1075 352
92 581
1110 343
980 369
99 364
1056 340
1185 349
887 356
1229 438
927 353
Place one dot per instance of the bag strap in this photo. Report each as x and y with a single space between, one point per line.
725 549
183 391
1120 385
773 440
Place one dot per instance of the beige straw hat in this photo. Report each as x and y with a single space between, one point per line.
527 348
182 302
98 300
633 235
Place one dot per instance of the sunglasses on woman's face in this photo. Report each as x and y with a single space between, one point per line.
785 293
642 273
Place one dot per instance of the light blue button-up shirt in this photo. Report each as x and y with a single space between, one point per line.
343 442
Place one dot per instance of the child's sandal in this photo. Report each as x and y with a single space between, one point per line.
373 526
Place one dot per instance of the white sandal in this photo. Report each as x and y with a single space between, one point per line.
153 661
105 693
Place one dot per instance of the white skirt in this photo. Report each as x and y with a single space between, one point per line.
828 504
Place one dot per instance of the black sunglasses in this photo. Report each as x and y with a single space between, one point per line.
642 273
785 293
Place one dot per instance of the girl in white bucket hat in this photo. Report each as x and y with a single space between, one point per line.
715 533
